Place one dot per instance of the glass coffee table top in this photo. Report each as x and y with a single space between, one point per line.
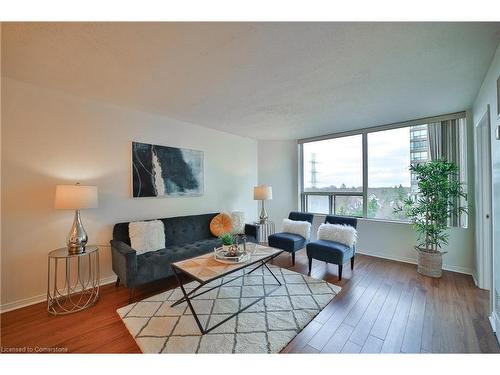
205 268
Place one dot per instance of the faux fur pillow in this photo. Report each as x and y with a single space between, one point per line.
302 228
146 236
345 234
238 219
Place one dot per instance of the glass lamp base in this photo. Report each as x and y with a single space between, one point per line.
77 238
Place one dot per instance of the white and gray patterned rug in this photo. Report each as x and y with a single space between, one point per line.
266 327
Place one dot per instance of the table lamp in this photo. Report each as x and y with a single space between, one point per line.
76 197
263 193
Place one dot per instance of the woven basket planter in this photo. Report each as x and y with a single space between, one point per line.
429 264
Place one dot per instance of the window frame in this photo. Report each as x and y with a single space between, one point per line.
302 198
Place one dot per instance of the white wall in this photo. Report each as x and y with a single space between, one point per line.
488 95
278 168
51 138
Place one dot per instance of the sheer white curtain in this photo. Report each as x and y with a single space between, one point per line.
447 141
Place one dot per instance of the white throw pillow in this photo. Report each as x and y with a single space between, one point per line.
238 219
146 236
302 228
345 234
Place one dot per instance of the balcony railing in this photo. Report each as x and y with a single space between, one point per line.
332 203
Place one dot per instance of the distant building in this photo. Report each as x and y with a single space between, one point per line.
419 150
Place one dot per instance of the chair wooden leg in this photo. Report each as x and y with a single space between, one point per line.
340 272
352 262
310 265
117 284
131 294
293 258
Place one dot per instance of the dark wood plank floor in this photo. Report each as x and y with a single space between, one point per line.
384 306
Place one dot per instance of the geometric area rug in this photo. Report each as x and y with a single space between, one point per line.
266 327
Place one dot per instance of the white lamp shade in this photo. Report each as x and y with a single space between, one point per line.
262 193
75 197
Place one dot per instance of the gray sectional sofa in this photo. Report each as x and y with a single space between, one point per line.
185 237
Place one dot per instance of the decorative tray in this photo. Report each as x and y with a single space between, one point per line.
224 255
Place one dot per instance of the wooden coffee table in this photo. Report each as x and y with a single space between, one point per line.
205 269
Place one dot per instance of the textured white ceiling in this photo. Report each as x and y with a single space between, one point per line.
262 80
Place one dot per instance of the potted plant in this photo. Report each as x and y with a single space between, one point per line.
229 244
439 191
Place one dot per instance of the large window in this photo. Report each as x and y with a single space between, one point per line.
366 173
334 164
333 176
389 179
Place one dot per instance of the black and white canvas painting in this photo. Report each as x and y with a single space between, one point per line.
166 171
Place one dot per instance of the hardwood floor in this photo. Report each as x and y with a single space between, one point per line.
384 306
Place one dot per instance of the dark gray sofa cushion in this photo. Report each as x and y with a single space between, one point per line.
187 229
178 230
155 265
181 252
152 266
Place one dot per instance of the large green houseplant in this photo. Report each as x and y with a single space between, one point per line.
437 199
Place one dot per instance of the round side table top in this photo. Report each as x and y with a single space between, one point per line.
63 252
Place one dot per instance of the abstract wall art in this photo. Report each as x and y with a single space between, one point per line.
161 171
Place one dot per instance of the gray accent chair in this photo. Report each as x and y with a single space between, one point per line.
185 237
289 241
331 251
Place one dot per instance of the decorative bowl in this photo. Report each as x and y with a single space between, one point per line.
231 254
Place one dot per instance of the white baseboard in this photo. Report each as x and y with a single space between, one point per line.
495 325
474 278
492 321
9 306
446 267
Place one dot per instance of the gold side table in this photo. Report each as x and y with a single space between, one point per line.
73 280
